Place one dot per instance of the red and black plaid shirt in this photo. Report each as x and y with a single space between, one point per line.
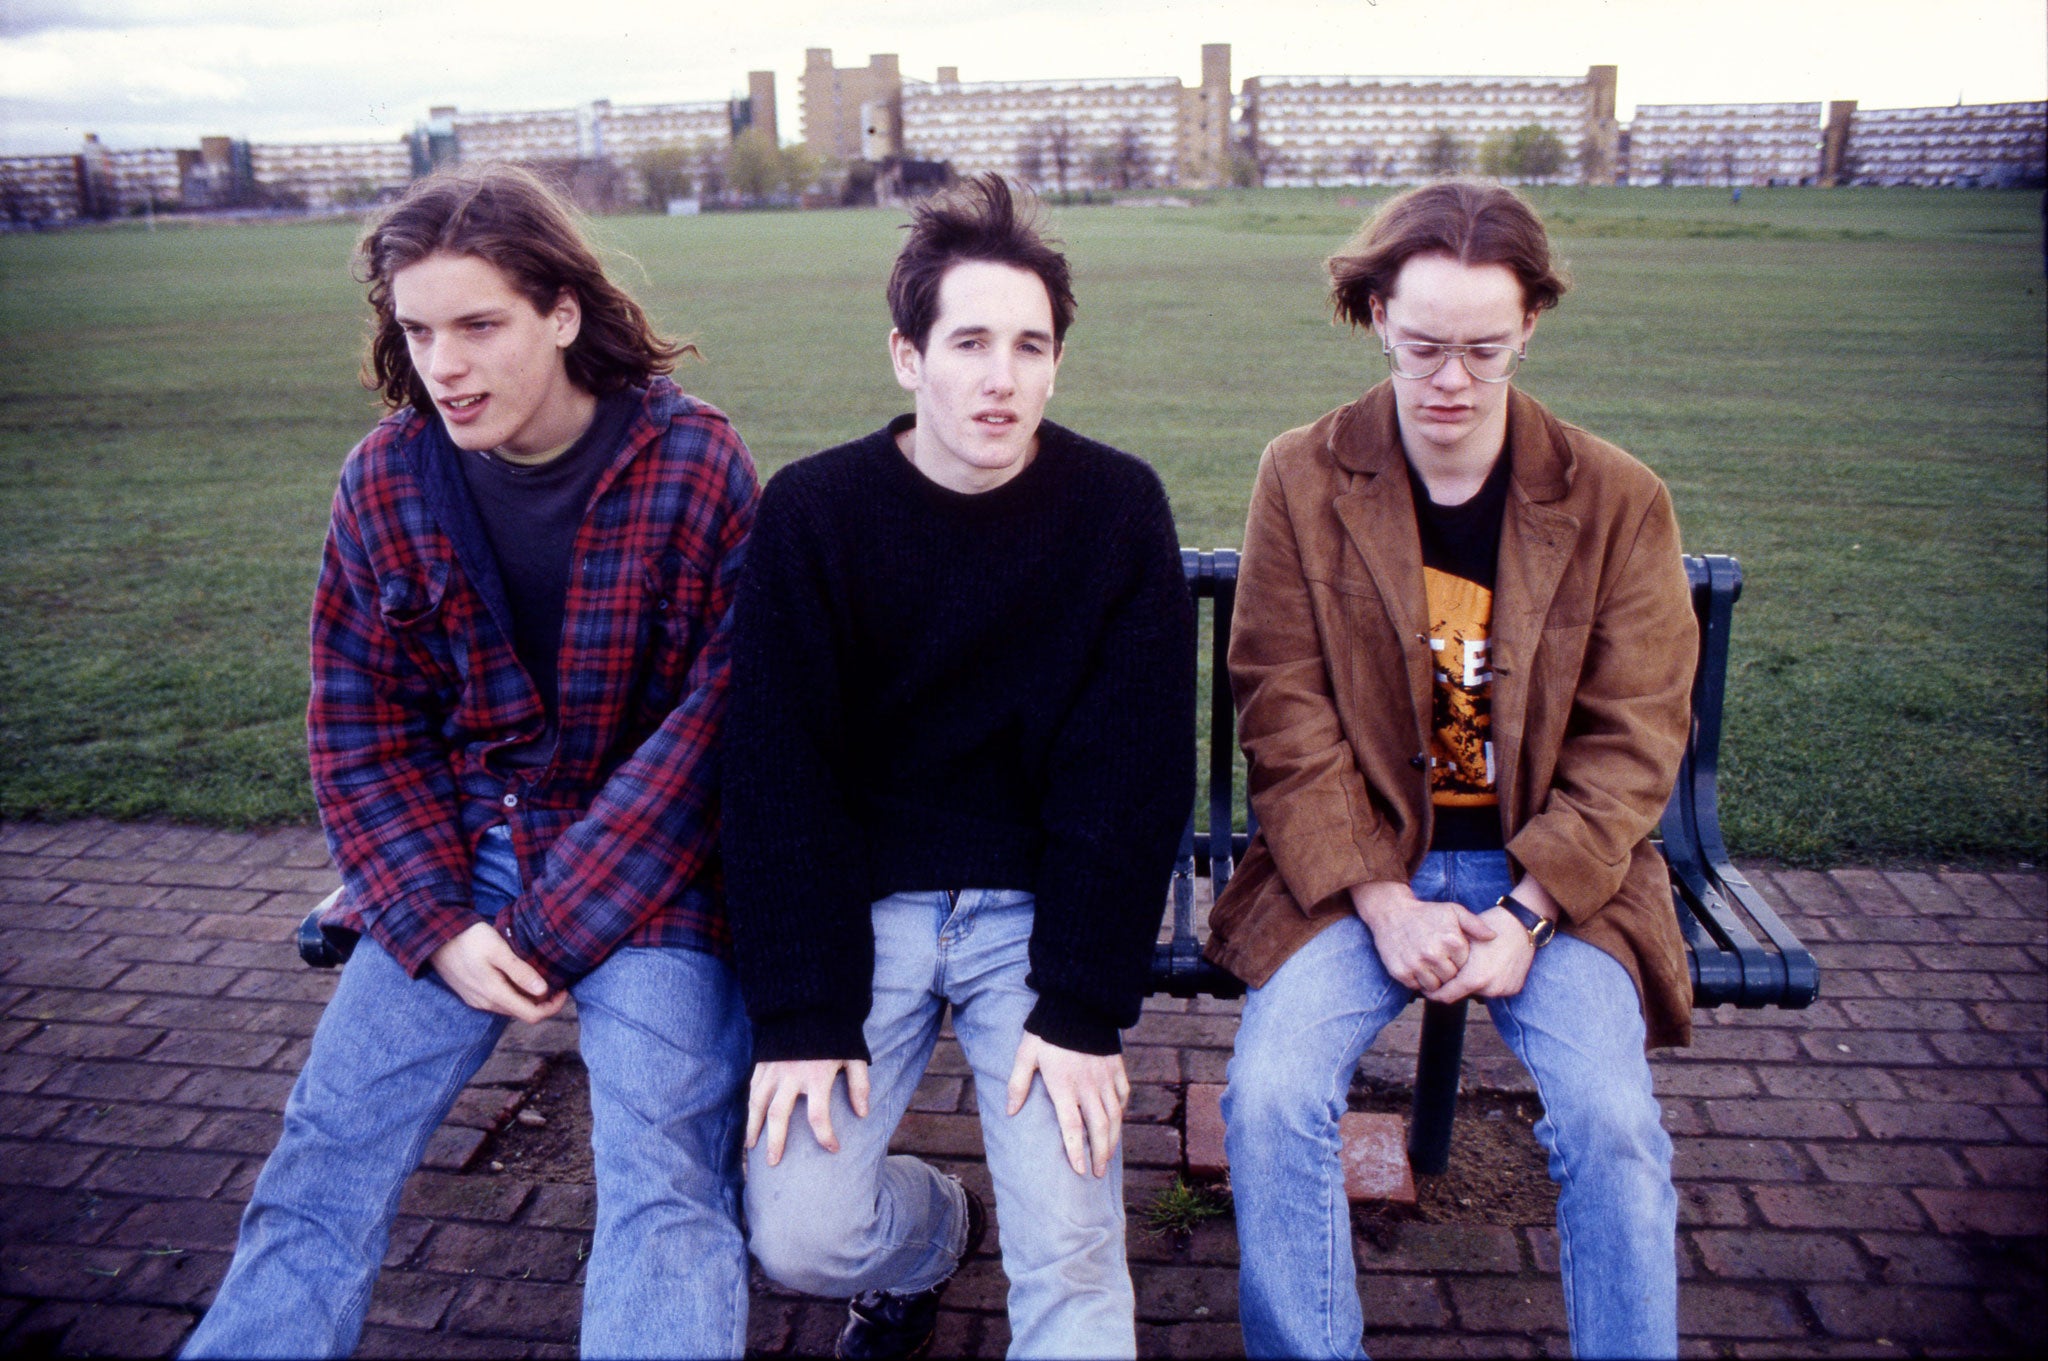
419 700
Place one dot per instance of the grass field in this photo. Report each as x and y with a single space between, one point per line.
1845 389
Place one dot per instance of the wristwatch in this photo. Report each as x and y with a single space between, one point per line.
1540 928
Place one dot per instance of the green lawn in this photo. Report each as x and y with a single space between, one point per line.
1845 389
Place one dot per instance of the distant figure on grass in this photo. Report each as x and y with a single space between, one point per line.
1462 657
960 755
519 673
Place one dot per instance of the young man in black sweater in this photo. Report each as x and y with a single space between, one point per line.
960 754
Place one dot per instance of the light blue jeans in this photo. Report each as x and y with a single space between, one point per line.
667 1044
1576 1026
842 1223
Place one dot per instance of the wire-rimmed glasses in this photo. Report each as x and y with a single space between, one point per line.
1422 358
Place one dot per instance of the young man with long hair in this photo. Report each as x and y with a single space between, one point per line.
960 756
519 673
1462 657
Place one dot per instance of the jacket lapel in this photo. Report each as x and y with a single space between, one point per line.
1536 542
1378 514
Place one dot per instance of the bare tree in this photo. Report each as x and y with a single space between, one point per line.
1031 161
664 174
1102 166
1133 161
1593 160
1443 153
1062 146
1535 153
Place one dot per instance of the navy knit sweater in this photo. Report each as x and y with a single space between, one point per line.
934 690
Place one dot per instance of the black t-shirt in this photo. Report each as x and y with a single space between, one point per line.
530 516
1460 552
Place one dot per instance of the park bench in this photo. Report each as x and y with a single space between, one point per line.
1716 906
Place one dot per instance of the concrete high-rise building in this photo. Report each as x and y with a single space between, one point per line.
596 149
1359 130
761 104
628 130
1976 145
323 175
1725 144
1205 120
851 113
526 137
1118 132
1057 134
40 191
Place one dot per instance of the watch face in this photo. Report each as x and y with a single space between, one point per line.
1542 931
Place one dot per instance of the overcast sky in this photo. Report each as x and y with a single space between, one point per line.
165 72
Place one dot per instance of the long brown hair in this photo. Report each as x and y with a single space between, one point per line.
1475 222
506 217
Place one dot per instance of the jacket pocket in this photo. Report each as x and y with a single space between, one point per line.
673 595
411 599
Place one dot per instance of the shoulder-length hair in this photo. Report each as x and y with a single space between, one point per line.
506 217
1475 222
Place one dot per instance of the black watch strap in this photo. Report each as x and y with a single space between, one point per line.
1539 927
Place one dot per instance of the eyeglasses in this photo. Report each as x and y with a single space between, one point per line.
1422 358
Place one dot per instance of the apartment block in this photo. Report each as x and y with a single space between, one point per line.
1361 130
597 146
528 137
1129 132
1978 145
851 113
151 176
323 175
40 190
1051 133
630 129
1725 144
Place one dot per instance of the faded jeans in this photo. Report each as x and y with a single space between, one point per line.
1576 1026
856 1220
667 1044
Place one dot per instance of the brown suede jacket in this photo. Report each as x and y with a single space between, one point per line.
1593 649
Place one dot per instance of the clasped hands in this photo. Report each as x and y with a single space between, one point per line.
1444 951
1088 1091
481 968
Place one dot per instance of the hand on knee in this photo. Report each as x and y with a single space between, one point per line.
773 1093
1088 1091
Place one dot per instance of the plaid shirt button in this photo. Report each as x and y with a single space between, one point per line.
510 800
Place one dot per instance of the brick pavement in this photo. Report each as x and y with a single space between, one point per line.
1864 1177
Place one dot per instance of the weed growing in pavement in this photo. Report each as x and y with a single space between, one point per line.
1182 1206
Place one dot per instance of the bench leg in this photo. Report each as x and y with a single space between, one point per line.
1436 1087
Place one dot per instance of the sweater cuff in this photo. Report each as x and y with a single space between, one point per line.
1069 1023
809 1035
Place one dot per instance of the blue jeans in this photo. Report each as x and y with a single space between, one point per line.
1575 1025
667 1044
856 1220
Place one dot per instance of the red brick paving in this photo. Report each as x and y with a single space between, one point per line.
1862 1178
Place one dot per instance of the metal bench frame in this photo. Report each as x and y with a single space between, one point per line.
1715 905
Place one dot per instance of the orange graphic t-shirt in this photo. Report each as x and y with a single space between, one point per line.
1461 720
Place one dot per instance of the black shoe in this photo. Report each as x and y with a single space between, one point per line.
880 1324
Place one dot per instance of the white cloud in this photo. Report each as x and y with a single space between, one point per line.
168 71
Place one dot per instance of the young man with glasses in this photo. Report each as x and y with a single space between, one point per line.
1462 656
